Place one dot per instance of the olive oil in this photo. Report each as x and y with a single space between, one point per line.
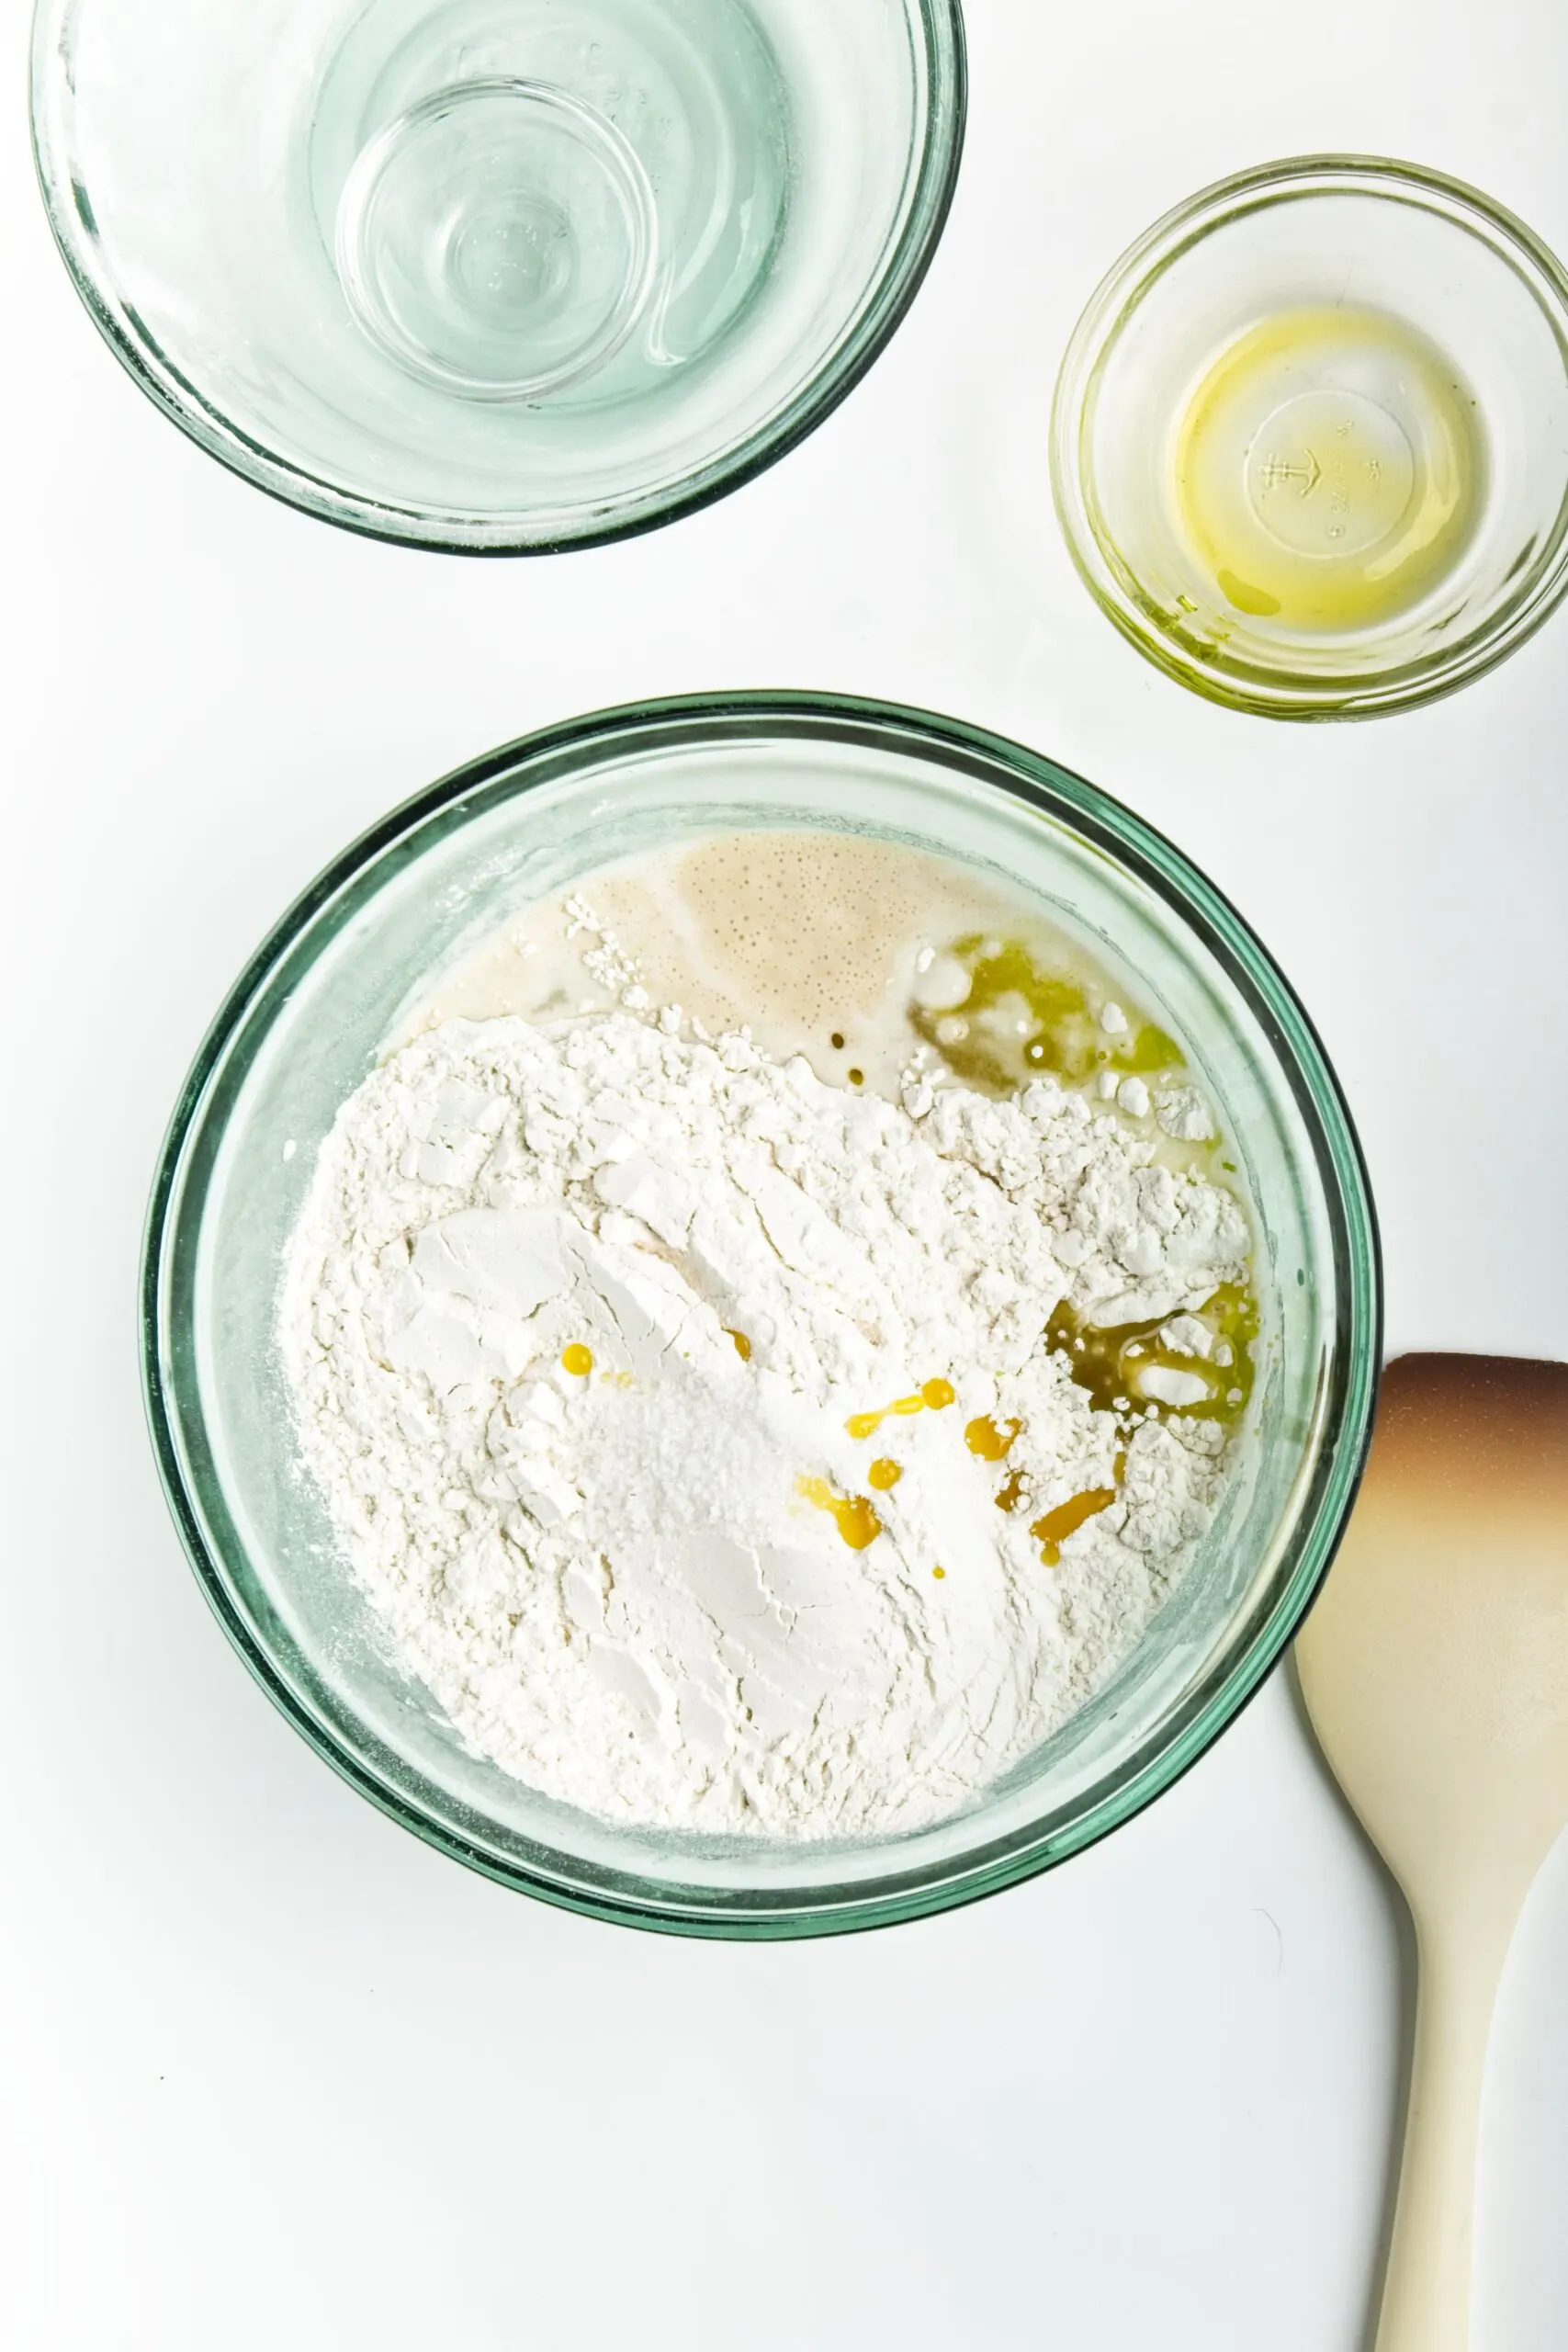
1328 470
1109 1364
1018 1019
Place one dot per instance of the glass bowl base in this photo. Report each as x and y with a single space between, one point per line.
500 239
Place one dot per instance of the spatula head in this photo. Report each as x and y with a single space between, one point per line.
1435 1665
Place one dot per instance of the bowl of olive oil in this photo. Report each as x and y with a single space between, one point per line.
1310 446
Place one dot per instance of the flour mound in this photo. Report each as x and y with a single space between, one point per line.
627 1585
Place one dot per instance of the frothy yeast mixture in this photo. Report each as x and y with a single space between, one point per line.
863 955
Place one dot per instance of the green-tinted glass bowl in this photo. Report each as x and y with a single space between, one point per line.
1317 232
309 1018
497 275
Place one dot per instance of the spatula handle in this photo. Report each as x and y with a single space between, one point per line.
1426 2304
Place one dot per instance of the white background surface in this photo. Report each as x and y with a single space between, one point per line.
270 2071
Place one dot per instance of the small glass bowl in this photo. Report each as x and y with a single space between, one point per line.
497 275
311 1016
1318 233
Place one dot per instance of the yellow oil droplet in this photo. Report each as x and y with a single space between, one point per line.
933 1397
1010 1496
884 1475
742 1344
863 1425
992 1445
579 1359
939 1573
858 1522
855 1515
1052 1532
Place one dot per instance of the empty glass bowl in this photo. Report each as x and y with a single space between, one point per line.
313 1014
1310 446
498 275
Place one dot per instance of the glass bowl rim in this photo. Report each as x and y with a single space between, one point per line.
1135 846
1281 694
448 531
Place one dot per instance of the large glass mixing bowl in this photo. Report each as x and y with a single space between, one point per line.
312 1015
497 275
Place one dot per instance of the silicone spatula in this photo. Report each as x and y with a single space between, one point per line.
1434 1669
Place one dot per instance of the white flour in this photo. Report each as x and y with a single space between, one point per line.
617 1582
